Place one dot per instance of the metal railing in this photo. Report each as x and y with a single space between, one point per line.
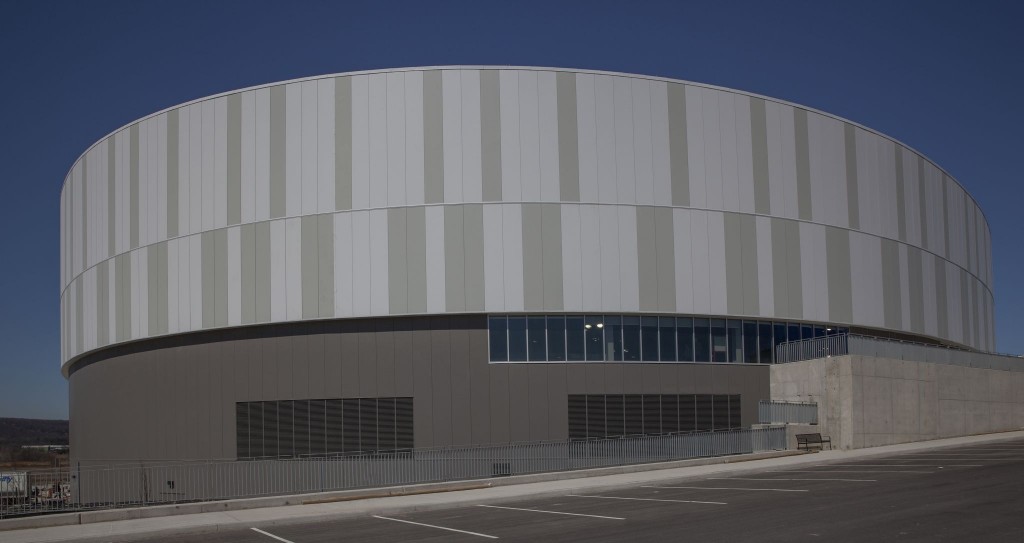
843 344
779 412
106 487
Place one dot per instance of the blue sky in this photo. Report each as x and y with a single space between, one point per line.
943 77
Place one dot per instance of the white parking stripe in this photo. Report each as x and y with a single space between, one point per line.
549 512
848 471
438 527
268 534
729 488
781 479
902 465
644 499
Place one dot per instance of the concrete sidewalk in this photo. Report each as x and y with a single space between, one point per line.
437 496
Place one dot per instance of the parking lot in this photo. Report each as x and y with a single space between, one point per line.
968 493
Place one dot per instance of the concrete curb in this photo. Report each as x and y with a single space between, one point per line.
135 513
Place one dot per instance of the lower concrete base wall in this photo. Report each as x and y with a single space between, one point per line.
865 401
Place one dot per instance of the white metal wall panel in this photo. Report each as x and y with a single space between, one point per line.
529 136
293 267
712 149
137 290
744 153
608 229
234 262
716 263
220 162
361 271
494 265
262 154
700 256
572 258
826 151
208 133
814 271
278 271
343 265
142 185
591 244
436 292
954 308
547 137
469 92
765 267
512 242
451 91
111 304
89 309
173 271
866 279
378 140
931 323
729 152
161 182
695 146
889 214
395 139
360 142
622 121
905 287
586 134
604 95
661 161
414 187
911 197
195 282
511 177
293 149
629 271
247 156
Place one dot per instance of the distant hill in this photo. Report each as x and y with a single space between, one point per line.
18 432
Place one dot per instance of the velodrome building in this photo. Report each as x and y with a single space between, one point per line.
446 256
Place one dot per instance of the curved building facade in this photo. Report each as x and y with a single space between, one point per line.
460 255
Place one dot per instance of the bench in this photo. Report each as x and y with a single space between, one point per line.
806 441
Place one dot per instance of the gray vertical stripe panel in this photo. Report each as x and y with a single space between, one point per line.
152 255
664 233
261 271
786 271
162 292
533 265
325 257
795 273
310 267
551 241
85 212
416 258
915 273
901 199
568 138
852 191
646 252
398 279
891 292
220 277
748 240
803 164
112 187
123 296
133 185
965 307
234 158
977 328
454 259
247 240
278 120
940 297
172 176
433 138
473 221
207 271
343 143
840 290
102 303
759 153
922 202
733 263
79 315
945 215
678 151
490 134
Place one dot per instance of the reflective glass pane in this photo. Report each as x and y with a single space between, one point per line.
702 340
536 332
734 333
684 337
575 344
719 342
750 342
668 339
649 338
806 331
819 331
793 332
631 338
764 341
497 330
613 337
556 338
517 339
594 328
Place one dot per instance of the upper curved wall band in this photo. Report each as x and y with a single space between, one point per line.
454 190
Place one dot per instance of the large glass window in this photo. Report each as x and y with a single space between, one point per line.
764 340
702 340
575 344
594 328
734 331
498 328
613 338
719 341
806 331
631 339
536 331
649 338
684 337
668 339
819 331
556 338
750 342
517 339
793 332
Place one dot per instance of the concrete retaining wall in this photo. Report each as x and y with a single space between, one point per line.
865 401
